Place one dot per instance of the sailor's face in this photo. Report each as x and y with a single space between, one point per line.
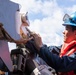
69 35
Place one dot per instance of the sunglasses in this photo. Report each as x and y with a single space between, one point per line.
67 18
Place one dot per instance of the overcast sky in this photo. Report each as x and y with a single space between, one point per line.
46 17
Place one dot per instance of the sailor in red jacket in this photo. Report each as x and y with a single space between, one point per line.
65 61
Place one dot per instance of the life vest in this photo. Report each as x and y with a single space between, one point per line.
68 50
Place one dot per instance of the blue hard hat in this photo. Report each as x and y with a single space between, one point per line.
69 20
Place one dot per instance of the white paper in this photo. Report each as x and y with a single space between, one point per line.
18 21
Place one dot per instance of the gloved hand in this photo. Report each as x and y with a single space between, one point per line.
31 47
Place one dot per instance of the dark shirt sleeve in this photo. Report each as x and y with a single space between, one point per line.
64 64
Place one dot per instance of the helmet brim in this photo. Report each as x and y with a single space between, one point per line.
72 24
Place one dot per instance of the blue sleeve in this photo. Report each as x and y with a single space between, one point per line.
64 64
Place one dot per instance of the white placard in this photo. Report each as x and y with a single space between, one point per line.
8 11
5 54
